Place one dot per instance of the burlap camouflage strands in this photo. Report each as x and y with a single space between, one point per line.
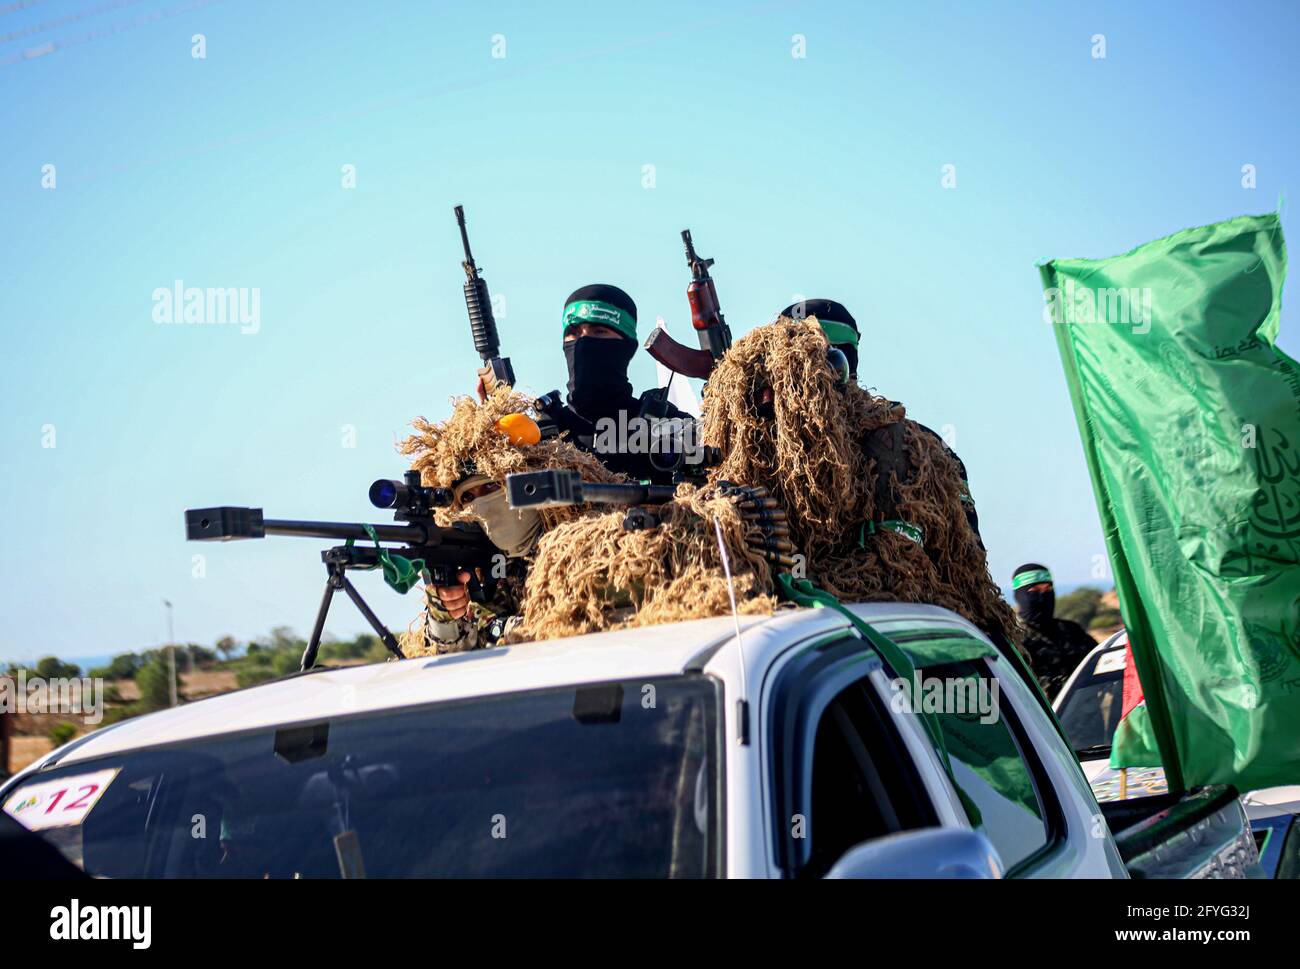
812 457
445 451
588 573
592 574
442 452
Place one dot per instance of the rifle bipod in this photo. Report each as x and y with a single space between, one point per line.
337 561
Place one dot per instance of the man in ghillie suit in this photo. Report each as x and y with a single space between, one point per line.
575 569
842 333
841 486
874 503
471 453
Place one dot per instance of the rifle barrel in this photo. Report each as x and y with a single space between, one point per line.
464 238
408 534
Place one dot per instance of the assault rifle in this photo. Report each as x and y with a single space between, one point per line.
482 324
483 329
418 544
706 318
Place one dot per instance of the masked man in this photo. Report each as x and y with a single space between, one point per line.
841 330
480 609
603 415
1055 646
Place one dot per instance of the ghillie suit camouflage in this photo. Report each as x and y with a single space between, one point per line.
586 572
874 503
874 506
593 574
471 442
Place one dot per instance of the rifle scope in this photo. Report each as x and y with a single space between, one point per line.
408 497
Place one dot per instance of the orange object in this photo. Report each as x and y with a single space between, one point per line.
521 429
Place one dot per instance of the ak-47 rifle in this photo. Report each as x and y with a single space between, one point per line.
422 546
706 317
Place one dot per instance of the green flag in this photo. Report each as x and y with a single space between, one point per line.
1190 419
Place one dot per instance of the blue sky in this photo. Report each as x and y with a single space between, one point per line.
818 175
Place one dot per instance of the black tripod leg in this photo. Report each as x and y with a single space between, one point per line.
309 654
389 640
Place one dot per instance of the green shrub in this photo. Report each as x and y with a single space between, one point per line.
253 675
62 732
52 668
1079 606
1105 618
124 712
377 652
154 681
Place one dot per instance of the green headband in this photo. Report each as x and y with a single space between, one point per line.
839 333
602 313
1032 577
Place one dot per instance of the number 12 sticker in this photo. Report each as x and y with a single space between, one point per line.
66 801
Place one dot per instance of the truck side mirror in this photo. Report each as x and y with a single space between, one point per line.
926 853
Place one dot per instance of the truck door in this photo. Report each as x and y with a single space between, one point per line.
842 773
1014 772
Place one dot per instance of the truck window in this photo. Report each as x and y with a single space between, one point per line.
988 762
1090 712
863 786
842 774
579 781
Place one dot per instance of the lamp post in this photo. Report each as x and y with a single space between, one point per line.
171 653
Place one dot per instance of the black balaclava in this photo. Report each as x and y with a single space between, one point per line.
1035 608
828 311
598 384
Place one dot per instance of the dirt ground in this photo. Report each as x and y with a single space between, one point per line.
24 750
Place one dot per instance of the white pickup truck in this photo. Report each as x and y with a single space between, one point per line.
683 750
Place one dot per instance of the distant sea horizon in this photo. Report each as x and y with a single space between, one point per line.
92 660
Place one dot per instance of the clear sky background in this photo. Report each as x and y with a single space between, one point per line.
818 176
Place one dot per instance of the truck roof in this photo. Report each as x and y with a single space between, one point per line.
651 651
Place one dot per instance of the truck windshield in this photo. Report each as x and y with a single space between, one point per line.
614 779
1091 712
